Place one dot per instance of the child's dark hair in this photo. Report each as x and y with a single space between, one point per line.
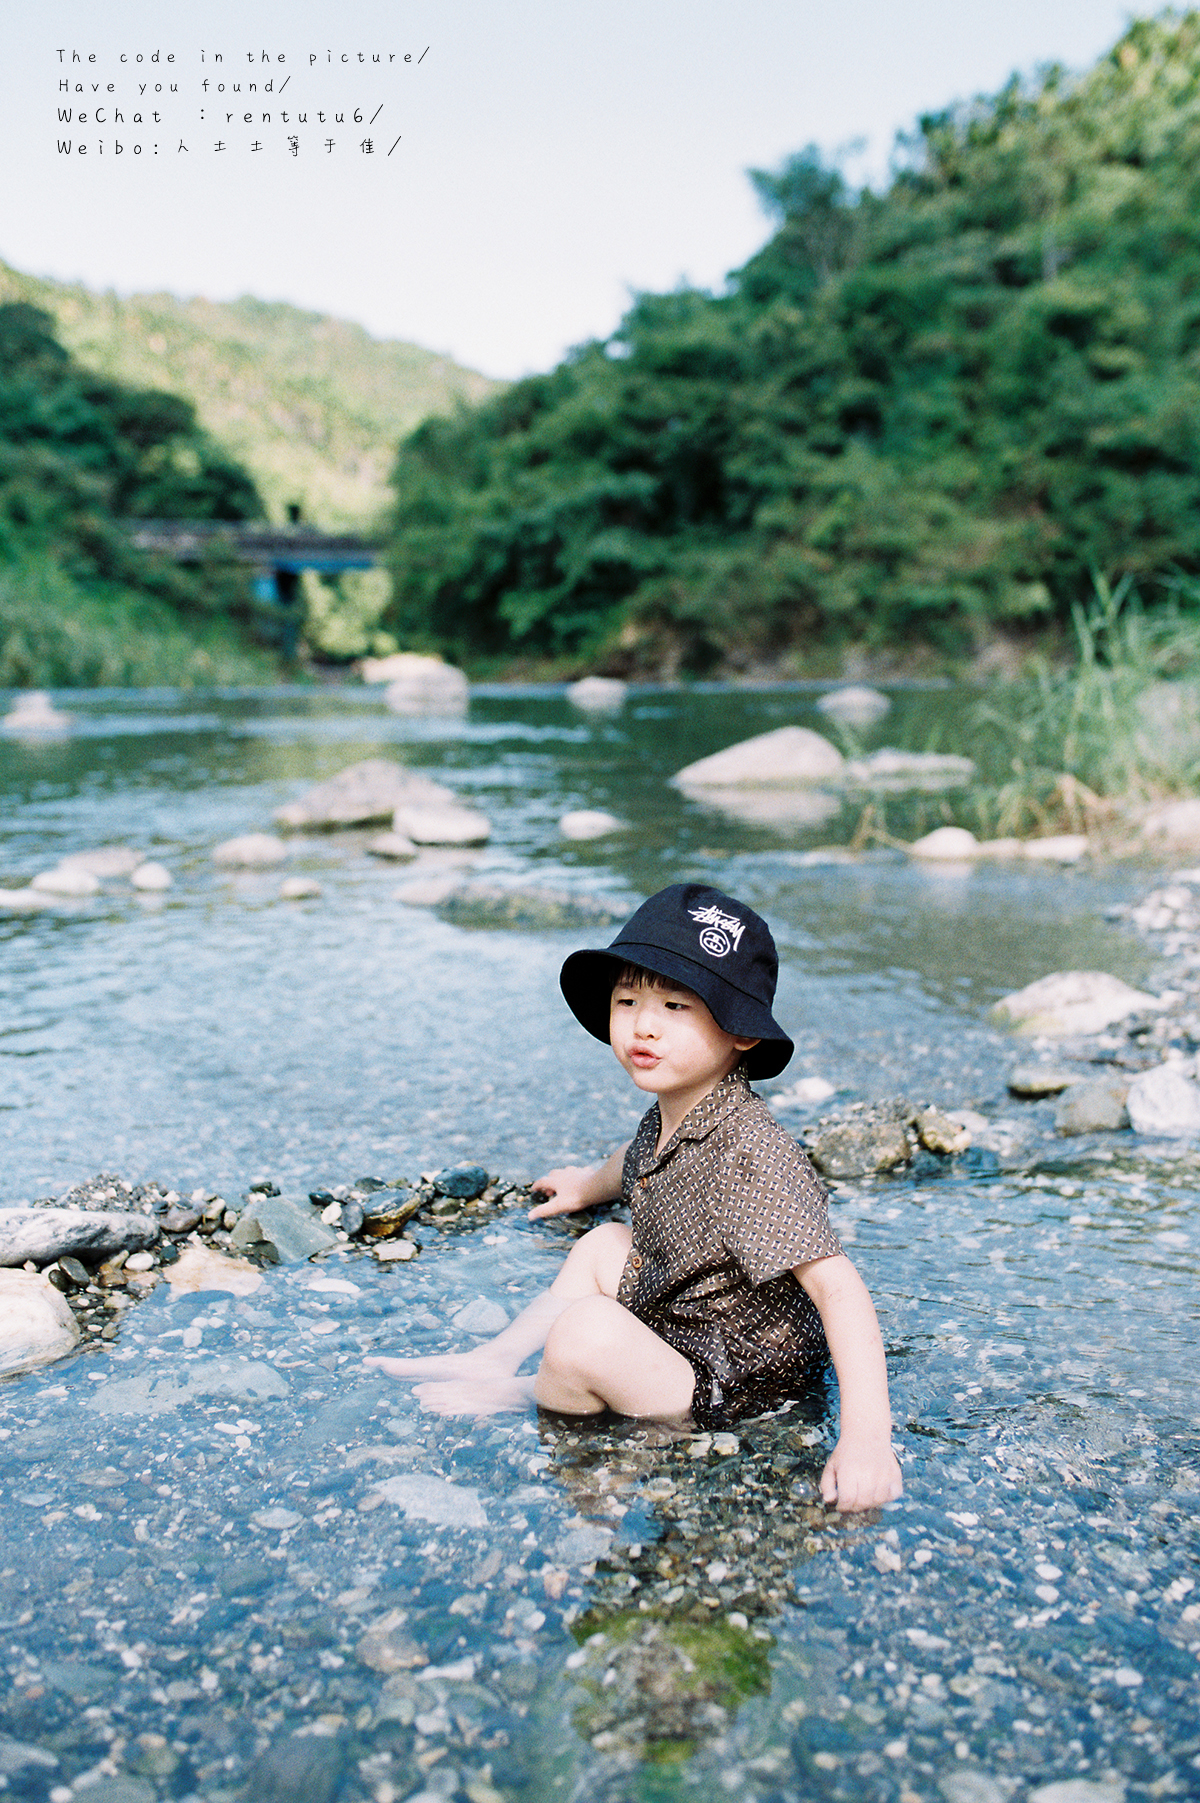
635 976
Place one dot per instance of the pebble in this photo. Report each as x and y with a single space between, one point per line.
442 825
300 888
392 845
946 844
34 715
105 861
855 706
598 694
465 1181
482 1317
425 1497
396 1251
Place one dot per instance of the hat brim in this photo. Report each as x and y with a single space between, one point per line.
587 979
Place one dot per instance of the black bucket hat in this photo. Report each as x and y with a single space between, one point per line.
706 942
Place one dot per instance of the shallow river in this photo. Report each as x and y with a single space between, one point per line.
233 1564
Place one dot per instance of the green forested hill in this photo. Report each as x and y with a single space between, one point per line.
912 417
313 406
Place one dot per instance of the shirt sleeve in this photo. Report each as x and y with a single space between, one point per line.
775 1207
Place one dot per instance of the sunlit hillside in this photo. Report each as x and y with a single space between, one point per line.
314 406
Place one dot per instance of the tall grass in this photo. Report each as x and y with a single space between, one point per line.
56 634
1080 748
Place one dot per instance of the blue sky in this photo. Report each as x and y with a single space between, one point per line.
553 155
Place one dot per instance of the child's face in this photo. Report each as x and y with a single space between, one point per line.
668 1041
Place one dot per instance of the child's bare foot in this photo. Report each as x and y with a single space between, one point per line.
475 1395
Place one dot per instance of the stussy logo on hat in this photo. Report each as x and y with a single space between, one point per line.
722 932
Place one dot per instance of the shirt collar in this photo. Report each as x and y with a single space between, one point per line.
730 1093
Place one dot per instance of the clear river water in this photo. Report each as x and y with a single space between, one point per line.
236 1564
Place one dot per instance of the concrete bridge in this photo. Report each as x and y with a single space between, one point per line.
276 555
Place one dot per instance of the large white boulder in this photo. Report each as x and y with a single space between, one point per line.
1071 1002
417 684
791 756
34 715
36 1326
66 880
447 825
364 793
854 706
251 851
1164 1102
598 694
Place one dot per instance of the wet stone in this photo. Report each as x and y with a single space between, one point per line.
464 1181
1093 1107
298 1769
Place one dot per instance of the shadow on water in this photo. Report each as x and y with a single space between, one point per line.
236 1565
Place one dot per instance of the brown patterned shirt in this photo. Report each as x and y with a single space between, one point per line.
720 1216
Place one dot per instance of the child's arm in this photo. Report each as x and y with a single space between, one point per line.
861 1471
573 1187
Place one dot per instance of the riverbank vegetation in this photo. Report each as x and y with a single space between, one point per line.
80 454
914 421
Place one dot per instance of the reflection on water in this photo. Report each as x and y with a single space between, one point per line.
234 1564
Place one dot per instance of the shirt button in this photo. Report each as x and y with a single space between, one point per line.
642 1182
635 1259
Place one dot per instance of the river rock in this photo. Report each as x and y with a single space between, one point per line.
40 1235
789 756
300 888
285 1223
34 715
937 1132
466 1181
24 901
857 1147
387 1211
67 879
1035 1080
18 1755
363 793
946 844
252 851
1056 848
106 861
36 1325
589 823
424 1497
442 825
392 845
417 684
151 1392
1174 825
204 1268
1078 1790
888 768
1164 1102
1071 1002
1094 1106
151 877
806 1092
481 1317
538 910
386 1648
855 706
598 694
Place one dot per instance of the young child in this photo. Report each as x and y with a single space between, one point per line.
726 1293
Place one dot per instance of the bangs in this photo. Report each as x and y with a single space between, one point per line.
633 976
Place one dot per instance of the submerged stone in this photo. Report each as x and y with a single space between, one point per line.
424 1497
157 1393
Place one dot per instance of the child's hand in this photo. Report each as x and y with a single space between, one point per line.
568 1190
860 1474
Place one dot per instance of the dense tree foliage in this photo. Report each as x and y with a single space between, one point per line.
911 416
79 453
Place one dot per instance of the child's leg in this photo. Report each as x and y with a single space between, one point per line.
600 1356
488 1373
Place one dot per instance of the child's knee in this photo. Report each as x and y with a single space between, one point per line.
581 1339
